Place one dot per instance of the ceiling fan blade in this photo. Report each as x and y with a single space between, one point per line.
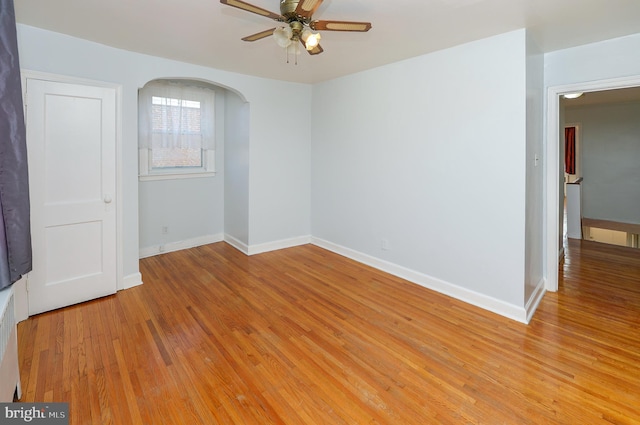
315 51
340 26
253 9
306 8
258 36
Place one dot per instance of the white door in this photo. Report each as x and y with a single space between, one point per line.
71 143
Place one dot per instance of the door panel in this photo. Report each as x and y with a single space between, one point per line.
71 135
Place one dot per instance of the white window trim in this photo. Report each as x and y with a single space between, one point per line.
147 174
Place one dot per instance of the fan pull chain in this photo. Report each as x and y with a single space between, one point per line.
294 54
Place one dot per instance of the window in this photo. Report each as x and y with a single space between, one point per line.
176 130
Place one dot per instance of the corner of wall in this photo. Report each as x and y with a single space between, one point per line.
534 300
281 244
180 245
237 244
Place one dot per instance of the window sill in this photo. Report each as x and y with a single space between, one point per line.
176 176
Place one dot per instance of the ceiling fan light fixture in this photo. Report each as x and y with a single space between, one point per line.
282 36
311 40
298 25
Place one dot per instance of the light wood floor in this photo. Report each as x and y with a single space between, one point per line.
304 336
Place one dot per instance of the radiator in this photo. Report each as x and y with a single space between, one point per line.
9 369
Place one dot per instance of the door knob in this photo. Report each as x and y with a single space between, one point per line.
107 199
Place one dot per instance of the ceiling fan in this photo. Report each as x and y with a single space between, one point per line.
297 14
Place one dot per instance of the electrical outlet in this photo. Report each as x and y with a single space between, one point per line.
384 244
165 230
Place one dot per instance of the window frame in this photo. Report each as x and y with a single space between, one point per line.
167 173
188 91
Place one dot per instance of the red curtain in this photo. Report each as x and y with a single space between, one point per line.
570 150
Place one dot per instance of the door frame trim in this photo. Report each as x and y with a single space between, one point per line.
26 74
552 244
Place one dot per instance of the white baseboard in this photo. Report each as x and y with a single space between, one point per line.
485 302
237 244
266 247
179 245
131 280
281 244
534 299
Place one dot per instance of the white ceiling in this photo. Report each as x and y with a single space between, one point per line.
208 33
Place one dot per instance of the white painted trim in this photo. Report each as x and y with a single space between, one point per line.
132 280
471 297
182 175
167 176
266 247
237 244
534 300
145 174
47 76
281 244
551 246
120 282
21 299
180 245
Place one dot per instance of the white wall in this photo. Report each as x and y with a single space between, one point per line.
191 209
278 129
280 205
610 150
429 154
605 60
534 263
236 182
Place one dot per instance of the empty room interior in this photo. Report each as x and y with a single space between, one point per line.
321 212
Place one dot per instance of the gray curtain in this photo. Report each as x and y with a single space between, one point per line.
15 234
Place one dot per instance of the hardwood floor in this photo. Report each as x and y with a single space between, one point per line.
304 336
